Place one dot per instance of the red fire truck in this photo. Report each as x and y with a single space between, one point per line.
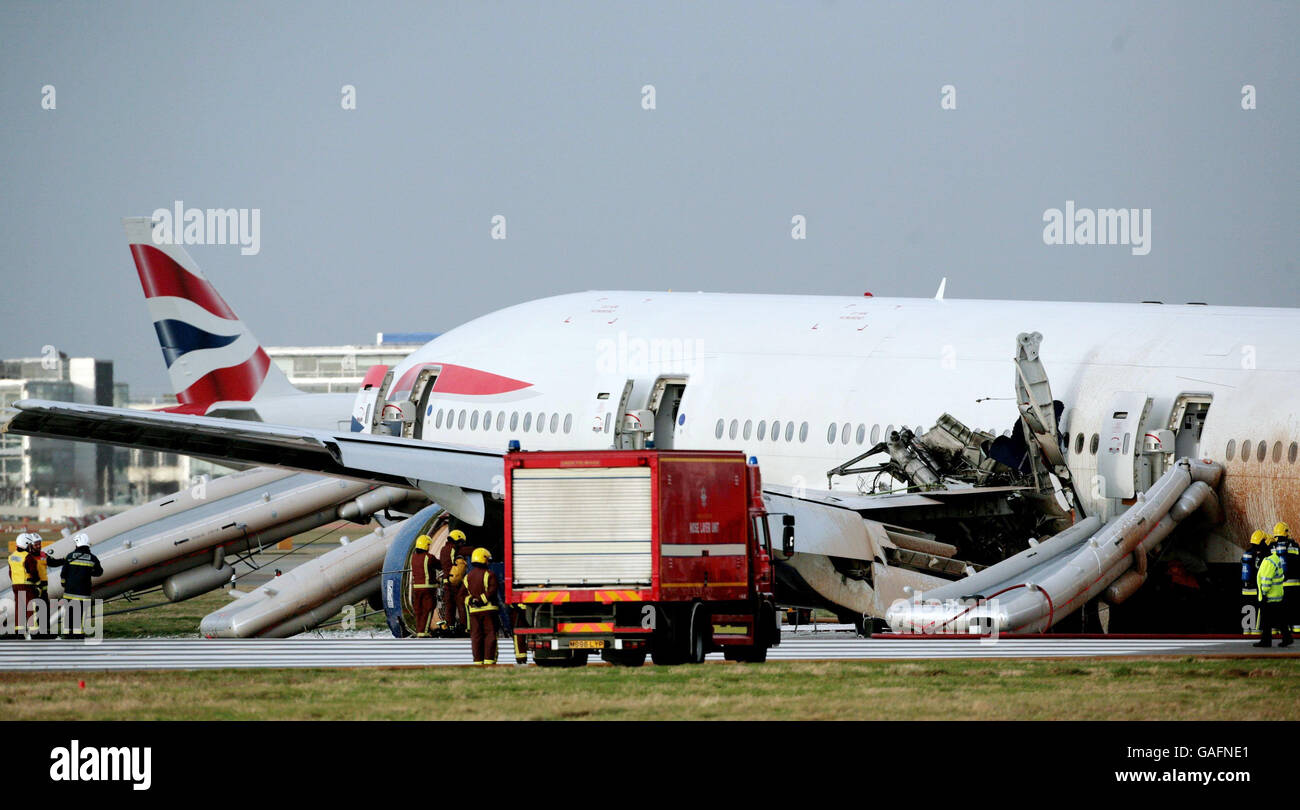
629 552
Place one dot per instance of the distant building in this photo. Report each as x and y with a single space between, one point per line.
31 467
335 369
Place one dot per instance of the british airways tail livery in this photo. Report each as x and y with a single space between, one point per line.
211 355
216 365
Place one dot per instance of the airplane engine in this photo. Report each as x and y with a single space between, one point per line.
394 589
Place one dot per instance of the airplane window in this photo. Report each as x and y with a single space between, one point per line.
888 431
501 420
1277 452
776 429
762 429
1232 448
717 431
844 433
1126 440
487 420
875 434
438 422
830 434
568 422
460 421
1263 450
1092 448
541 422
555 422
1291 454
803 432
862 433
528 421
749 426
1245 449
473 420
735 425
789 431
1078 444
514 420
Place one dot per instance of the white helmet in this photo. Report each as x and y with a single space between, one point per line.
21 541
82 541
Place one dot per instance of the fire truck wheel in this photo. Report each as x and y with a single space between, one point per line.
697 643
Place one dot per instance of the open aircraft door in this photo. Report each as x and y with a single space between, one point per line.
666 403
367 407
417 408
609 403
1121 443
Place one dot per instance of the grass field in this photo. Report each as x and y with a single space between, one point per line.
1188 689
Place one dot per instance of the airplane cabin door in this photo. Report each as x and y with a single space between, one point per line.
610 401
666 402
1121 443
420 393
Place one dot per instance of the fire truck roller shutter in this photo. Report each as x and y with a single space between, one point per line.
581 526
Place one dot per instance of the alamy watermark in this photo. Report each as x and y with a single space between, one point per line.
35 616
212 226
1101 226
635 355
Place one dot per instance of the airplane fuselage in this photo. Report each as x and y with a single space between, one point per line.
804 383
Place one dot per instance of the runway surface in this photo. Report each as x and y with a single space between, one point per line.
308 652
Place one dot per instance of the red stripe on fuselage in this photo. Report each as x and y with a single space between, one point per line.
453 379
162 276
235 383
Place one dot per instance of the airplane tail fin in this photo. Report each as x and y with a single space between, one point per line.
211 355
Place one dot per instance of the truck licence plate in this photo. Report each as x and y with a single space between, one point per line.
586 644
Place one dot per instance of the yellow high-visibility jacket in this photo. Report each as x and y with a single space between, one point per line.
1271 578
18 568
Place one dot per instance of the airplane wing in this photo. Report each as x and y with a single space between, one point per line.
455 477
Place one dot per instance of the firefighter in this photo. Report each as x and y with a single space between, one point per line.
1291 566
424 581
1250 561
481 604
1270 581
452 559
43 564
79 568
23 575
518 617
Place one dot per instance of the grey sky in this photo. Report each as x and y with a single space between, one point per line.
378 218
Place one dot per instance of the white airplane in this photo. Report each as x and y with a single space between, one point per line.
801 383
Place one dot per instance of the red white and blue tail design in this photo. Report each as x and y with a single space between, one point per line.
211 355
